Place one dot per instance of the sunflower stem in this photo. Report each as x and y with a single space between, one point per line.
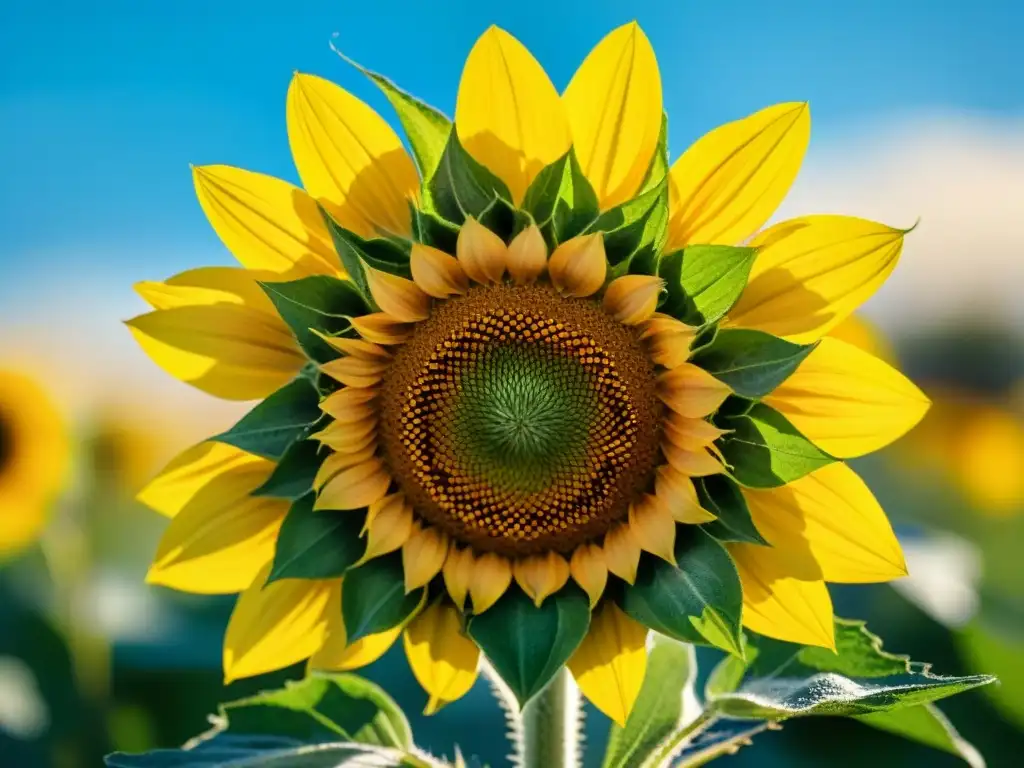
551 726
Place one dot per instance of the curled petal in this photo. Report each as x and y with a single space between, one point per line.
527 255
589 570
579 265
675 491
389 525
653 528
443 659
691 391
381 328
348 436
338 461
436 272
355 487
622 552
364 350
347 401
481 253
691 434
632 299
400 298
491 576
698 463
458 572
423 556
541 575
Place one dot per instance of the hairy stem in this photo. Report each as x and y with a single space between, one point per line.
551 737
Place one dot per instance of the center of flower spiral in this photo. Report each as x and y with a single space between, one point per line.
520 421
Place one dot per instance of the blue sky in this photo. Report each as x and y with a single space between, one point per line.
104 104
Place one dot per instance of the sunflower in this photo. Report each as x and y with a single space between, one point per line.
530 392
33 459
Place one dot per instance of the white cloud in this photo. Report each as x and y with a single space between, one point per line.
963 176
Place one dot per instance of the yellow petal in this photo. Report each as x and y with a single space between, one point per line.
778 604
215 470
527 255
400 298
349 158
442 658
364 350
508 114
578 266
691 434
436 272
276 625
541 575
458 571
669 340
613 103
589 570
336 462
691 391
675 491
865 335
833 516
355 372
423 556
209 285
228 350
356 487
622 552
389 524
728 184
610 663
491 576
812 273
348 436
381 328
481 253
265 222
349 403
848 402
653 528
698 463
338 656
217 543
632 299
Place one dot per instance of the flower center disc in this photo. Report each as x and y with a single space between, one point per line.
519 421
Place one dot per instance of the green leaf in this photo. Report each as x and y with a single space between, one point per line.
666 702
431 229
293 476
273 425
356 253
658 169
783 680
504 219
561 200
527 645
765 451
636 231
373 597
697 602
926 725
319 302
722 497
460 186
426 127
704 281
316 544
752 363
264 752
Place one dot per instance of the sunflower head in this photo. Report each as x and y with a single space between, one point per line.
530 392
34 451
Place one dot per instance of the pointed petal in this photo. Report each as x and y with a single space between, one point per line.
437 273
812 273
541 575
215 470
653 528
481 253
458 572
491 576
423 556
442 658
778 604
675 491
349 404
337 656
265 222
349 158
622 552
508 114
632 299
865 335
336 462
527 255
389 524
276 625
356 373
613 103
216 545
728 184
400 298
669 340
207 286
848 402
381 328
698 463
364 350
691 434
832 515
589 570
356 487
691 391
610 663
346 436
579 265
